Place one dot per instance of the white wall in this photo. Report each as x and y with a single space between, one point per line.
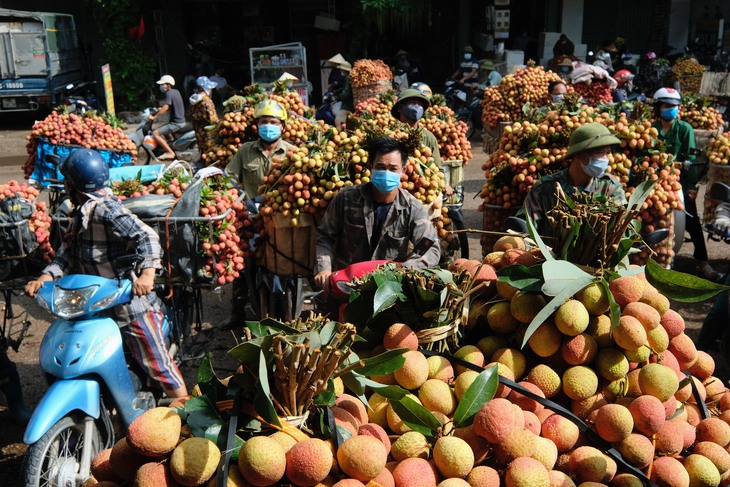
678 34
571 22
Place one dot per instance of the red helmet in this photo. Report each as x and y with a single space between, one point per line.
650 55
622 76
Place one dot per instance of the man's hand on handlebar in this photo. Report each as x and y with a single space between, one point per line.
145 283
32 287
322 281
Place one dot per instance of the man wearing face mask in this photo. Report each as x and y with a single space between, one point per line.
468 69
172 103
409 109
249 166
588 151
557 91
375 221
679 140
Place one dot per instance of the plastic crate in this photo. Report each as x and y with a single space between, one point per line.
46 172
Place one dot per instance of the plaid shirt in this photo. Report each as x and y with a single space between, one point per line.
345 232
102 231
541 198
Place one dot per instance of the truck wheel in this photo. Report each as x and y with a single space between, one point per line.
56 458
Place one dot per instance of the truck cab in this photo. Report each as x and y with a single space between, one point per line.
39 57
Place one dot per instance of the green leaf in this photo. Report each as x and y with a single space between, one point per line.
538 240
256 329
416 416
276 325
614 310
355 383
394 393
641 192
386 295
527 279
558 273
571 288
327 332
201 415
262 401
679 286
477 395
205 369
246 353
326 398
383 363
445 275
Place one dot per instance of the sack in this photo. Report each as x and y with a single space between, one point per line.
16 239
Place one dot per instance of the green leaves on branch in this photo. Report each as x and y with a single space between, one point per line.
477 395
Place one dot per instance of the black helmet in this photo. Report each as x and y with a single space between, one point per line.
85 170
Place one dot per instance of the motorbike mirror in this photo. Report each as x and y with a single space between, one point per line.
516 224
656 236
720 191
53 159
124 263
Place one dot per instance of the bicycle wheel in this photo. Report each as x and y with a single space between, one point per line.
56 458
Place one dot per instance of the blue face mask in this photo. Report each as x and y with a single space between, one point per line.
558 98
595 167
269 133
385 181
412 112
467 56
670 113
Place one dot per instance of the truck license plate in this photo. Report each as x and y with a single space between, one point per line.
9 103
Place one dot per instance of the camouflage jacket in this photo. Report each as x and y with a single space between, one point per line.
345 232
542 199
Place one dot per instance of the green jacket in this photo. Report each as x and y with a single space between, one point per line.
429 140
542 199
250 164
679 141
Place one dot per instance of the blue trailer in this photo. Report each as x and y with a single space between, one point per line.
39 57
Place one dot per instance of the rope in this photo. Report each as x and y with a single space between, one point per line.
431 335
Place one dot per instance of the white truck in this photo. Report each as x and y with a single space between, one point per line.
39 57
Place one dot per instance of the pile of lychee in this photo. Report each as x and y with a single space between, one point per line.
627 384
158 451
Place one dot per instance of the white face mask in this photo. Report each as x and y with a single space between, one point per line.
195 98
162 88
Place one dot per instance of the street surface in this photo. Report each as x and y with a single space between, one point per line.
216 304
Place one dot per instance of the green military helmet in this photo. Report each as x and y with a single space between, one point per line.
590 136
469 49
487 65
409 94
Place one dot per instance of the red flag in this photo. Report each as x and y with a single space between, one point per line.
137 32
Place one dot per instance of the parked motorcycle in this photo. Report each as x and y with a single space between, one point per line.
80 98
82 355
183 141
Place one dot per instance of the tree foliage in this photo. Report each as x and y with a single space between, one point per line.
132 67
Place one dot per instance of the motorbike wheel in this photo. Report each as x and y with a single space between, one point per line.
55 459
469 129
286 306
143 156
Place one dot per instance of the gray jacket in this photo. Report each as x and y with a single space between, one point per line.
344 234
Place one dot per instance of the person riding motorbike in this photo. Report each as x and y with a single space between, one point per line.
624 79
375 221
679 139
249 166
202 111
172 103
588 152
101 232
468 69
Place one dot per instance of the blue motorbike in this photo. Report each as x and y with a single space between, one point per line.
93 393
